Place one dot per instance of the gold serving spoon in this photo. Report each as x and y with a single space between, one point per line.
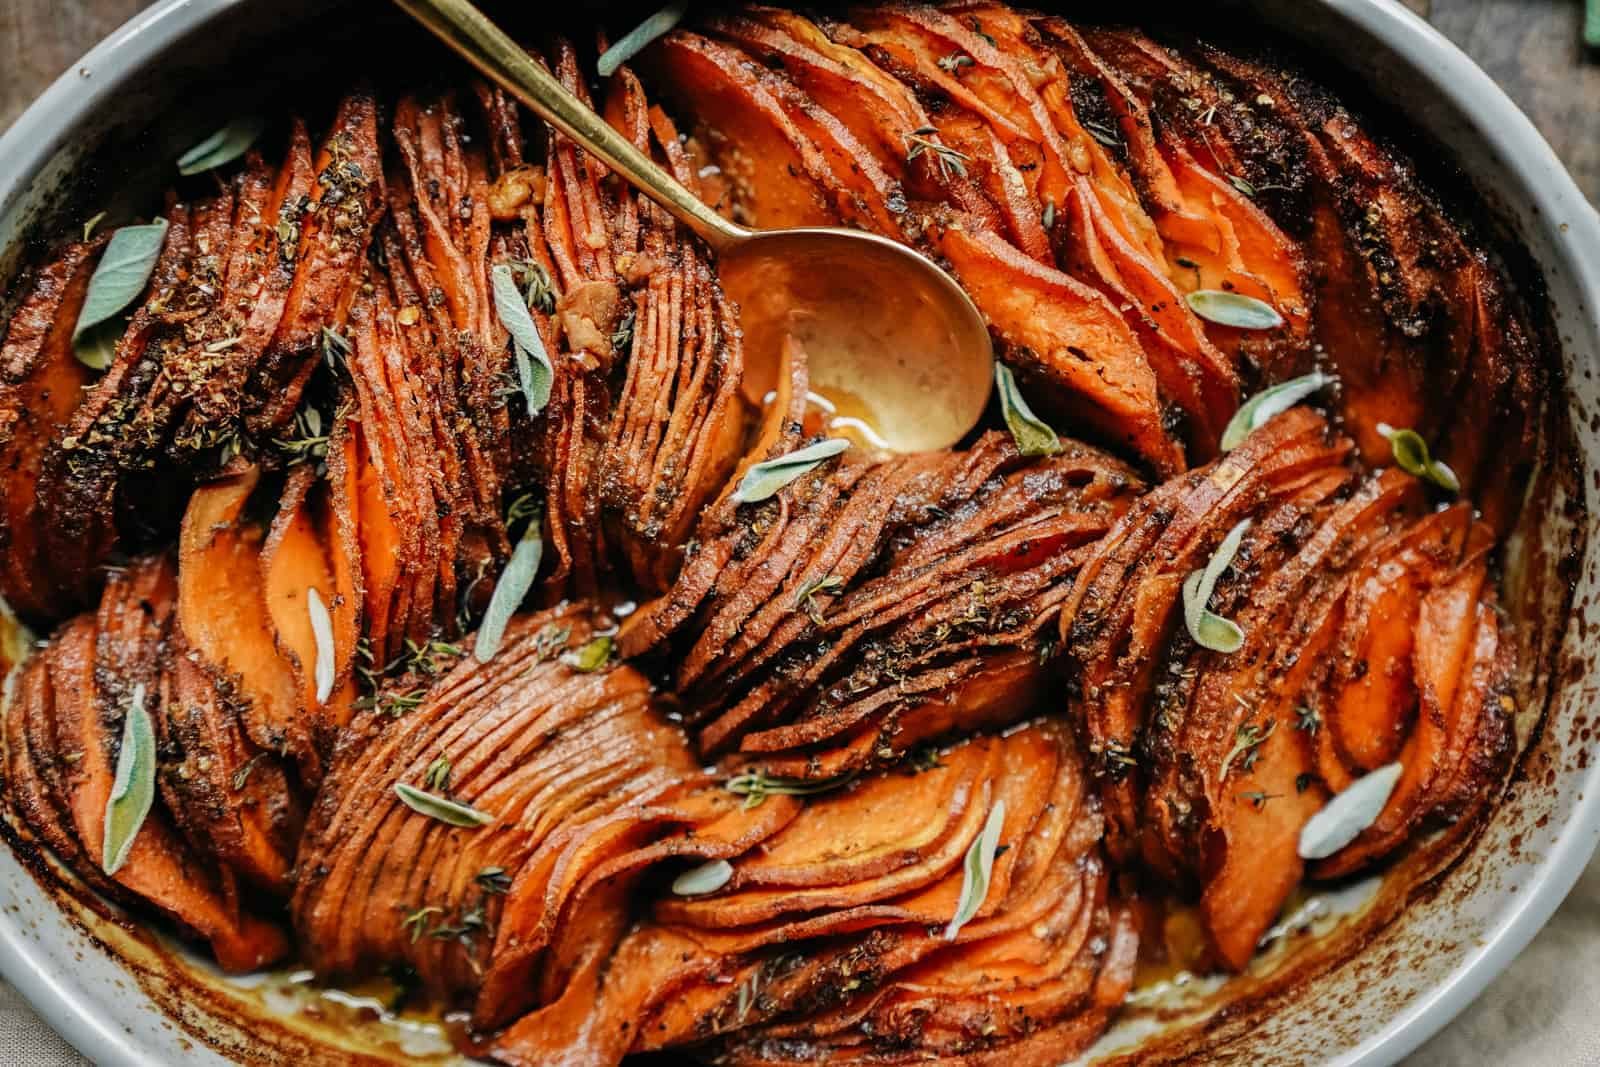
891 340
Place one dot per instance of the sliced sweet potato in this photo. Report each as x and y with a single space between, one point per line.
1069 337
224 616
160 868
41 384
334 230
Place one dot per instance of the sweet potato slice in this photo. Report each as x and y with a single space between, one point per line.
1455 652
1076 341
233 801
224 616
334 231
160 868
41 384
1373 691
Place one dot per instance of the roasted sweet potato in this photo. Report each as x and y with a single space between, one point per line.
41 384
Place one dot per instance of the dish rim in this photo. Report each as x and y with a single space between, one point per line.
47 124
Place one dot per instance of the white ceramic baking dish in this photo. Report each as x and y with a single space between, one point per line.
141 1004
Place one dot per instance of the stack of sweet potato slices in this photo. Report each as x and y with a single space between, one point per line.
319 378
834 928
1370 636
868 607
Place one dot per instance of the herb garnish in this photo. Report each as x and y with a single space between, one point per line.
322 630
514 583
437 776
1258 798
1032 436
1208 629
1234 309
309 443
437 807
706 878
590 657
806 598
1247 742
493 880
1344 817
1411 455
1269 403
121 275
976 870
534 369
336 349
635 41
949 161
952 63
89 227
757 786
1307 719
224 146
417 921
133 789
767 477
242 775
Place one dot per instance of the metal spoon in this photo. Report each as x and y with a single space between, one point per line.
889 336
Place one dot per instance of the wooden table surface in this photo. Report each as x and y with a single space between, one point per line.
1533 48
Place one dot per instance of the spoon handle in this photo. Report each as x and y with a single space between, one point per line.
459 24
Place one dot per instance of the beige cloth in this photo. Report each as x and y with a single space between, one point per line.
1541 1013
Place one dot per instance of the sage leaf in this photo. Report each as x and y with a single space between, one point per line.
97 348
976 871
322 630
534 370
768 476
1234 309
133 789
224 146
706 878
437 807
637 39
514 583
1268 404
1344 817
121 275
1208 629
592 656
1032 436
1411 455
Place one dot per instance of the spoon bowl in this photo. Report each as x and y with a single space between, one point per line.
894 348
898 355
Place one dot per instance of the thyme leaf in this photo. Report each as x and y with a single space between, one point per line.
949 161
1247 741
757 786
806 598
